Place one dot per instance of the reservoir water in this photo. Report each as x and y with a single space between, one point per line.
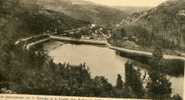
101 61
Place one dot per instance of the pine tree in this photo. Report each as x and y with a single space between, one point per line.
119 83
133 80
159 86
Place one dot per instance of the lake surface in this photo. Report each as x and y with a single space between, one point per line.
101 61
177 85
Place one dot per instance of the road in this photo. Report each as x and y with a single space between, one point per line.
145 53
28 46
82 41
96 42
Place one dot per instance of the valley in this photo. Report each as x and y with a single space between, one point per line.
80 48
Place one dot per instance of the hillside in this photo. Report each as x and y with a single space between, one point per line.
19 21
162 26
85 10
130 10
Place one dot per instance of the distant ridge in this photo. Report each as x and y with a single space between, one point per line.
85 10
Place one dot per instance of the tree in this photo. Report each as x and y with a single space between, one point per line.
177 97
103 87
158 54
133 80
119 33
123 32
119 83
157 61
159 87
142 33
77 35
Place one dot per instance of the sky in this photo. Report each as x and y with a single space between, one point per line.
137 3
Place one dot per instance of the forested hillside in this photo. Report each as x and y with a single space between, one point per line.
16 64
85 10
163 26
17 21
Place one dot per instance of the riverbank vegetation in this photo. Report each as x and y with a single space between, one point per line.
30 72
152 84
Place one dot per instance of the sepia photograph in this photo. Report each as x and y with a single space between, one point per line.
114 49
